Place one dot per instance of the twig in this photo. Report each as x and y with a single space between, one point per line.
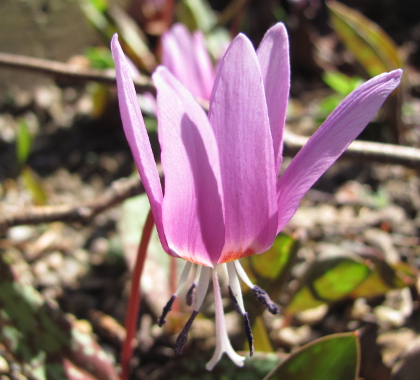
69 71
386 153
124 188
116 193
364 151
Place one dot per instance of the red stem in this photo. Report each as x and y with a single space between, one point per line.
133 306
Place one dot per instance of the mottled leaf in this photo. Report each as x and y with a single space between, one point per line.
23 142
42 338
273 262
371 46
328 279
261 339
329 358
196 15
385 277
34 185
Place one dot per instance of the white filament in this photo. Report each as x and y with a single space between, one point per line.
203 284
222 339
184 278
235 285
197 274
244 277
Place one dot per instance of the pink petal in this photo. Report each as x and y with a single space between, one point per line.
204 65
238 115
192 207
183 55
273 55
135 132
330 141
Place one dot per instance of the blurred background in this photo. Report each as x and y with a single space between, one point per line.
347 261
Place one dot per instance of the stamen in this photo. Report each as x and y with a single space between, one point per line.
248 333
222 339
181 285
203 284
190 296
234 301
184 278
235 293
235 286
183 336
262 296
242 274
166 309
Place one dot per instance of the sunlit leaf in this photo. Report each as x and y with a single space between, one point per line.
34 185
132 39
335 278
272 262
261 340
94 12
99 58
304 299
217 42
328 279
42 338
371 46
341 83
23 142
385 277
329 358
196 15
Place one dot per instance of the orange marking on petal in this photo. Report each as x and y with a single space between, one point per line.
235 255
193 260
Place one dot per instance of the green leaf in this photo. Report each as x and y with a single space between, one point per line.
328 279
329 358
370 45
261 340
42 338
271 263
341 83
132 39
32 182
23 142
385 277
196 15
99 57
94 13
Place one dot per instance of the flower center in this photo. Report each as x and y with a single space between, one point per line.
197 292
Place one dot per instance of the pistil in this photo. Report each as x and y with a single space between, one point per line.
222 339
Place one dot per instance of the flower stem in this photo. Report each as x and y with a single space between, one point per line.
133 305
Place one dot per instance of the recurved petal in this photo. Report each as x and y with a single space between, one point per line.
179 56
135 132
192 207
273 55
238 115
330 141
204 65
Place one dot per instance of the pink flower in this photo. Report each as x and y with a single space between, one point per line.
223 199
186 57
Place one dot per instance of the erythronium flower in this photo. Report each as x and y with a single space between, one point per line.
223 199
186 57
